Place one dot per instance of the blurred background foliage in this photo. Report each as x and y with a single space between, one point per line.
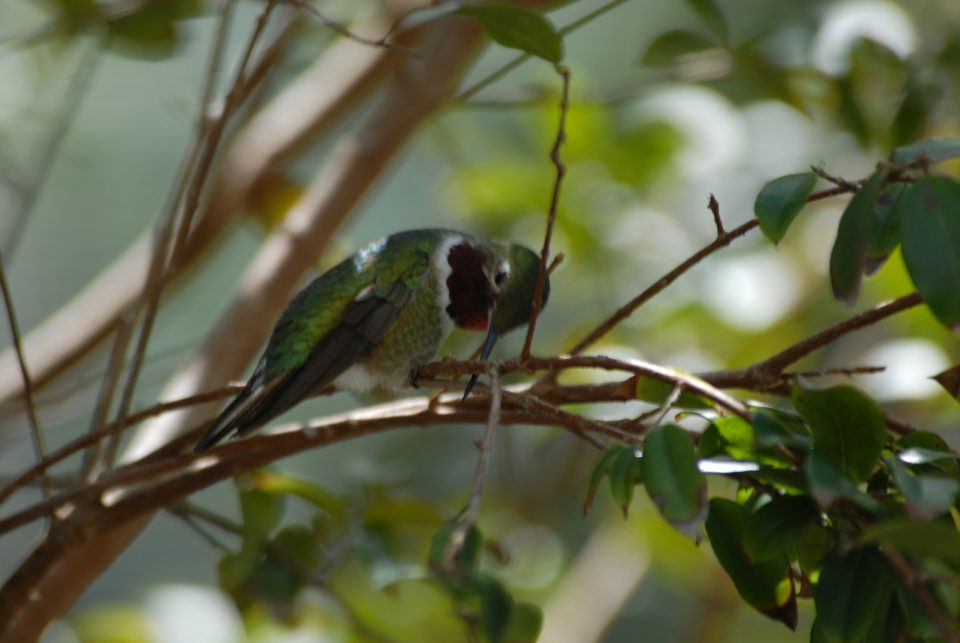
671 102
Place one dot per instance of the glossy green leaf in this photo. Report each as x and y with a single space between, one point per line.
934 149
933 538
911 117
737 434
925 447
770 429
712 17
467 557
884 236
656 391
518 28
526 621
600 471
848 257
671 45
780 201
827 484
773 529
766 586
848 594
626 472
848 429
930 229
672 479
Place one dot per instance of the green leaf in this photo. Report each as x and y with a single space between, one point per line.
656 391
780 201
927 496
599 473
765 586
884 236
812 546
930 227
673 480
668 47
848 257
491 606
934 149
711 15
848 429
928 539
518 28
465 560
827 484
911 118
771 429
526 621
848 593
925 447
626 471
773 529
737 435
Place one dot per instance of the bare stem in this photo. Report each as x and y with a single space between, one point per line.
552 214
35 433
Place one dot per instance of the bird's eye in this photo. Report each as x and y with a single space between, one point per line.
499 278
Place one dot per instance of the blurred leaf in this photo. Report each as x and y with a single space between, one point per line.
626 472
272 197
712 17
787 480
923 447
465 561
780 201
812 546
931 244
110 623
150 30
827 484
770 429
848 257
852 113
518 28
927 496
667 47
599 472
486 606
261 511
911 117
656 391
766 586
673 480
848 428
884 235
276 482
773 529
737 436
950 381
300 546
934 538
848 593
526 621
934 149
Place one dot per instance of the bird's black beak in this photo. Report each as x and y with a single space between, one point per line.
492 337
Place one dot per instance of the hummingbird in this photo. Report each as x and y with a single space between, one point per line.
370 321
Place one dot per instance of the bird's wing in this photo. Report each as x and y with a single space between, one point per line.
363 324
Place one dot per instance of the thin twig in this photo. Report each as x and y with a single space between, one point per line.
35 433
502 71
714 207
342 30
39 468
176 231
552 214
468 515
919 591
190 521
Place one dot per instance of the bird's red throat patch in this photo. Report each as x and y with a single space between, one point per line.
469 287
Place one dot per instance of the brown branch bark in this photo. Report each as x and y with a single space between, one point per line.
61 566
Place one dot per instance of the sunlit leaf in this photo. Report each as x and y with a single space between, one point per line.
668 47
780 201
518 28
848 593
656 391
925 447
773 529
848 429
766 586
848 257
930 227
672 479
